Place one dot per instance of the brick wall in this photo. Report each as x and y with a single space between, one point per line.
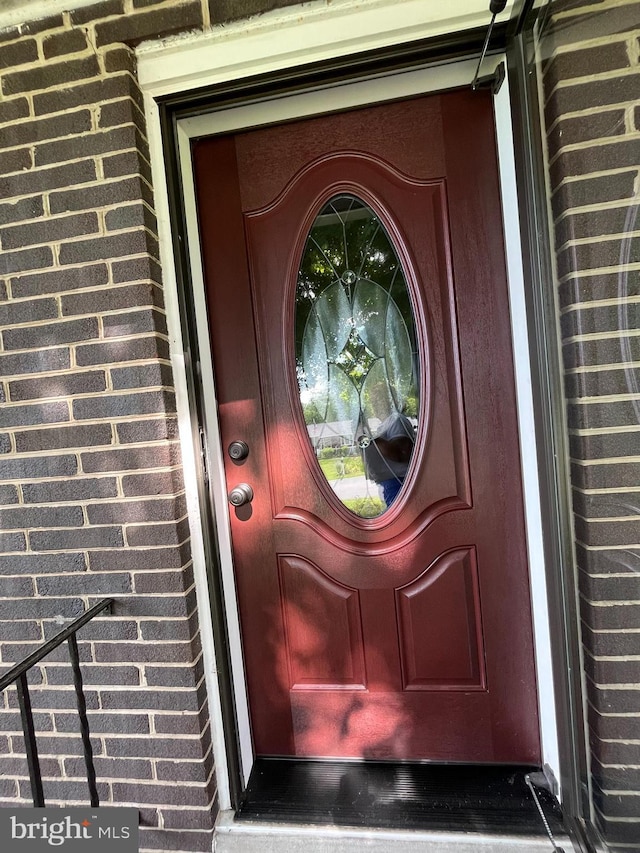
592 82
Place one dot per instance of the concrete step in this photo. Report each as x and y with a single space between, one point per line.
255 837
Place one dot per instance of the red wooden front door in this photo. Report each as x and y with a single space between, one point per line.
407 635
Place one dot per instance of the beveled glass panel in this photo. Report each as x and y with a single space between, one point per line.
356 355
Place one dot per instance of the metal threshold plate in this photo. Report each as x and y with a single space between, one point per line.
465 798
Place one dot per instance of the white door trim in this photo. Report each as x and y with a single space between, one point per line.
298 35
330 98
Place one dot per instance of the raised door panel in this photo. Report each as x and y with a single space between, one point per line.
323 630
440 626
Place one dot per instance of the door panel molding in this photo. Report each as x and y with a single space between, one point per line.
310 596
444 598
448 486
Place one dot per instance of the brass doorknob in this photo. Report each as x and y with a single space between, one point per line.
240 495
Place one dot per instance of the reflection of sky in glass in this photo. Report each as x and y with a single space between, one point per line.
356 352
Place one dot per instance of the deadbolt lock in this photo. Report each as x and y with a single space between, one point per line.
238 450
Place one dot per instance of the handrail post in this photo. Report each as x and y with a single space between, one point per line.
84 723
31 747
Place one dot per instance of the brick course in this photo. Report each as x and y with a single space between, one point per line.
58 44
28 208
592 80
54 74
25 132
29 182
88 93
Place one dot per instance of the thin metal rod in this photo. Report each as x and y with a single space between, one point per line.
474 82
43 650
30 745
557 849
84 722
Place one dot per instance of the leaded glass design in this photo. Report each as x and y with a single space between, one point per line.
356 355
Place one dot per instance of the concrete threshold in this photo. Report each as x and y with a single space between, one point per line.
256 837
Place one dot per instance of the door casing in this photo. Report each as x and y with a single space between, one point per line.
395 85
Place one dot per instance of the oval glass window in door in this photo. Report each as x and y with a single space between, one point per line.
356 355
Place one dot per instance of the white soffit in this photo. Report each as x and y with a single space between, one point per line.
284 38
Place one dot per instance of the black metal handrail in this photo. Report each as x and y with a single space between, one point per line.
18 675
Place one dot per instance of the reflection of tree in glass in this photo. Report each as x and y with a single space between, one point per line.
379 261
